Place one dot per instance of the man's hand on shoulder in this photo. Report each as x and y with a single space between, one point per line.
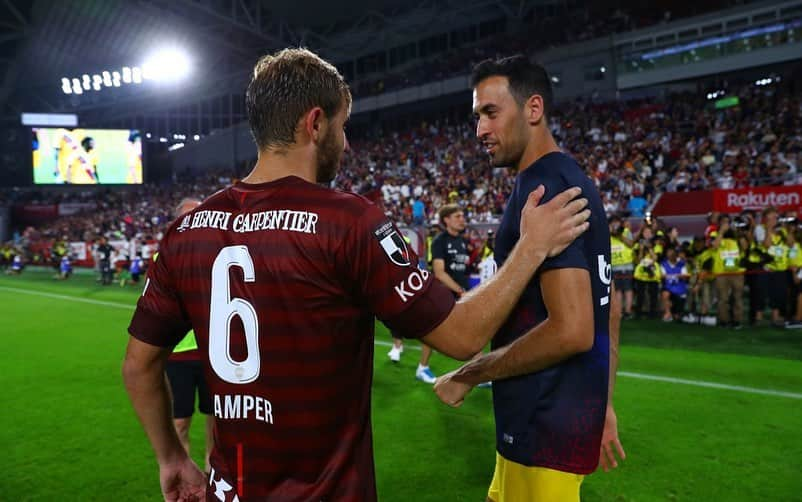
551 227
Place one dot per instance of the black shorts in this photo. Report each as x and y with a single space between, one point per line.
135 276
185 377
623 280
778 290
677 302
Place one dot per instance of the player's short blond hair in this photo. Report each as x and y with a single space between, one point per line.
285 86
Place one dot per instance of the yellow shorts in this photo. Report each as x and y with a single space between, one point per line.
514 482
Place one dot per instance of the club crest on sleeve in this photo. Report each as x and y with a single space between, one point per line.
393 244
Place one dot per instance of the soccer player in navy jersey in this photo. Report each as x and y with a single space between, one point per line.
551 359
281 279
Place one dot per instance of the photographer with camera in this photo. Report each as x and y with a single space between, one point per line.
775 243
647 274
729 274
623 263
755 261
675 285
795 262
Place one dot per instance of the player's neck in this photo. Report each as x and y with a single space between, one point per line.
271 166
452 233
540 144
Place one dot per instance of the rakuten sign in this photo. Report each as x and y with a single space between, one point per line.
755 200
783 198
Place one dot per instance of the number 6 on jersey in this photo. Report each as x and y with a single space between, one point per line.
222 311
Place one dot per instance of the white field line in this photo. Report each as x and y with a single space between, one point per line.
626 374
680 381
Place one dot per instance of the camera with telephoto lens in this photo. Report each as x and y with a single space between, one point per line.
739 222
787 220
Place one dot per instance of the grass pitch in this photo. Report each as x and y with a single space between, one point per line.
723 424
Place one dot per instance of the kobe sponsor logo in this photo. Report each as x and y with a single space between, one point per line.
605 276
411 285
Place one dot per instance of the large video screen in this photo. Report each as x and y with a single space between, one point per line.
86 156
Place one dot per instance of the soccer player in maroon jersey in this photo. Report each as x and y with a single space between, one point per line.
281 279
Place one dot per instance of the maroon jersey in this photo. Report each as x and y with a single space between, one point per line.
281 282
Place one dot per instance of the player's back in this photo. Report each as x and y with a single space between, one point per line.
265 275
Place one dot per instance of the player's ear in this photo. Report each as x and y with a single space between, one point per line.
533 109
314 123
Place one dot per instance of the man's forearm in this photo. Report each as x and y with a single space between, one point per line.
481 312
449 282
150 397
615 335
540 348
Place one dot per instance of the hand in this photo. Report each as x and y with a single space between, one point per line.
550 228
182 481
450 392
609 440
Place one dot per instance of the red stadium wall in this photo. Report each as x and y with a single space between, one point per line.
784 198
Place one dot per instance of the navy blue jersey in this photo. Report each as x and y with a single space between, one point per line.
554 418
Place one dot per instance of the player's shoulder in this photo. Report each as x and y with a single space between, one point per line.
439 239
554 167
339 205
556 171
350 200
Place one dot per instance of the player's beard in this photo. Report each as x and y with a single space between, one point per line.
328 158
509 154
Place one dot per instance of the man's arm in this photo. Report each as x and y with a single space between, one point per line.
610 442
767 240
615 335
440 273
143 374
567 331
545 231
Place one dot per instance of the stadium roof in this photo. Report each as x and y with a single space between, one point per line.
43 41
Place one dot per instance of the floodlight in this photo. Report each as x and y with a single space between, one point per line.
166 65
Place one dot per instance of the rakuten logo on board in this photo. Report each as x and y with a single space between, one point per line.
751 200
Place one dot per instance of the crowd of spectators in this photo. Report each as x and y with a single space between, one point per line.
634 150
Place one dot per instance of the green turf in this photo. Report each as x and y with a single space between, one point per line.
70 434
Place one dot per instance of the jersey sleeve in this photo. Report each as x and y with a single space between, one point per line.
386 279
439 248
574 255
159 318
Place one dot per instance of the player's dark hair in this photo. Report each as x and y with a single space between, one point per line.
86 142
284 87
447 211
525 78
